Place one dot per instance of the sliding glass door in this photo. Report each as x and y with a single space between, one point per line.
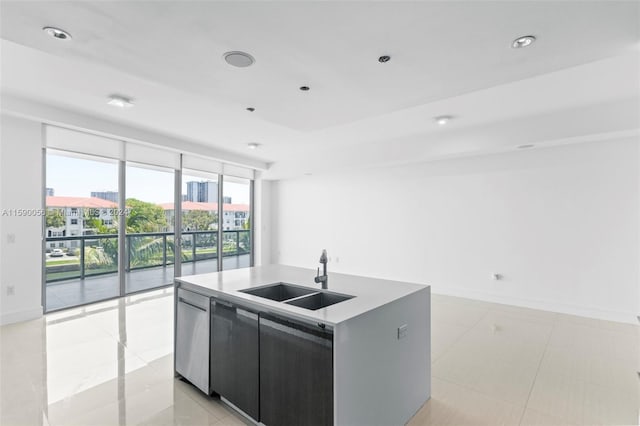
199 222
236 223
81 234
149 227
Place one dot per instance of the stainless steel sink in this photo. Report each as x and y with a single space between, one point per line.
318 300
279 291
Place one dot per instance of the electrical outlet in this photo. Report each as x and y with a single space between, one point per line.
402 331
496 276
11 290
337 259
11 238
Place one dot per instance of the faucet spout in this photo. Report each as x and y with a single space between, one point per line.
324 278
323 257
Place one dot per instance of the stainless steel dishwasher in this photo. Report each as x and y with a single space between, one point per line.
192 338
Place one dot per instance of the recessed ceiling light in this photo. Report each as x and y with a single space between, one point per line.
253 145
120 101
239 59
523 41
304 88
57 33
526 146
251 109
442 119
384 58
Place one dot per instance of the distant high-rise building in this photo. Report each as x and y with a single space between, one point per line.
184 197
50 192
192 191
106 195
202 192
226 200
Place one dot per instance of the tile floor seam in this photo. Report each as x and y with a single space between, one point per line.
462 335
451 345
468 388
529 320
533 384
588 383
468 329
587 380
486 314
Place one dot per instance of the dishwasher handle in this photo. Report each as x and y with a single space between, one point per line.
239 310
224 303
193 305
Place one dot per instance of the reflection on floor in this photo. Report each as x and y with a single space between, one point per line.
111 364
63 294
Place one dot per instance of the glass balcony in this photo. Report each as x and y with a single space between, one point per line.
84 269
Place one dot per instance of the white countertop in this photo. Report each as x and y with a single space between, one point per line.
370 293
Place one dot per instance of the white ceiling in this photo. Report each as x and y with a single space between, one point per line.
580 78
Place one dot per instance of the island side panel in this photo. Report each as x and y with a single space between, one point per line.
176 284
380 379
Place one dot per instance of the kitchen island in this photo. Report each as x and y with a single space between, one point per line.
283 351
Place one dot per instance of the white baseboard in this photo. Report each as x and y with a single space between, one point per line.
18 316
543 305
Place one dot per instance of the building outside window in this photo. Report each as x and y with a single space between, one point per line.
106 195
202 192
64 215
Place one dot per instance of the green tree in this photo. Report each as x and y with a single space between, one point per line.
103 257
145 251
54 218
199 220
92 223
145 217
91 218
104 229
110 248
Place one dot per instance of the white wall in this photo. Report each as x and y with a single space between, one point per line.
262 222
20 188
561 224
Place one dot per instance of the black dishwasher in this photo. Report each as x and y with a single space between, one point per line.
296 373
235 356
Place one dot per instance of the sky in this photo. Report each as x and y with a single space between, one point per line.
76 177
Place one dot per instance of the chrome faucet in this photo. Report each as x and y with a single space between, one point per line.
324 278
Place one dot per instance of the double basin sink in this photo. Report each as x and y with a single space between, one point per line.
303 297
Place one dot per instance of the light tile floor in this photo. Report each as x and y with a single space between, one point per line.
111 364
498 364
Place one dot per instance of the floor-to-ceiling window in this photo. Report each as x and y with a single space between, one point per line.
111 210
149 227
81 236
236 222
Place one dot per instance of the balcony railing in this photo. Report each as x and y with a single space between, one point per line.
90 255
